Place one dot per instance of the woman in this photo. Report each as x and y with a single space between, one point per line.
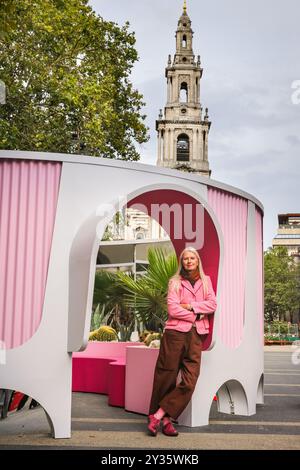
190 299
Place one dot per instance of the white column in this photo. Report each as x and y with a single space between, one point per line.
194 155
172 146
198 139
175 89
201 144
166 146
169 145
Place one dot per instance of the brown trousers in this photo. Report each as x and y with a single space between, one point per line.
179 351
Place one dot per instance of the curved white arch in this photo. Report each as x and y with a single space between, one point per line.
83 256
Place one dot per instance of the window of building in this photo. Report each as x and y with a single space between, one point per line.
184 42
183 92
183 148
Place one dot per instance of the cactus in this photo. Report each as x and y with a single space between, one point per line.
125 331
100 317
151 337
104 333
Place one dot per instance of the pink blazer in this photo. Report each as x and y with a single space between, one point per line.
181 319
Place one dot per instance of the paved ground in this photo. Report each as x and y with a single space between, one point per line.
276 424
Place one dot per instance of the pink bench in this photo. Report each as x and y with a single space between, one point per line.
100 368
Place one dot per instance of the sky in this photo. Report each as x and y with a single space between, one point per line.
251 85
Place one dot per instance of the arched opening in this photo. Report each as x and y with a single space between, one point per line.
163 205
12 400
231 398
183 94
183 148
186 221
184 41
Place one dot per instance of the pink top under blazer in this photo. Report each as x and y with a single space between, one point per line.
181 319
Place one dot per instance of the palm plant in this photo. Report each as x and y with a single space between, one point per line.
109 301
147 295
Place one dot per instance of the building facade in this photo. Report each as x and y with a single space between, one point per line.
183 128
288 234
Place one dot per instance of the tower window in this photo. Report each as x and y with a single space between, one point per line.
183 148
183 92
184 42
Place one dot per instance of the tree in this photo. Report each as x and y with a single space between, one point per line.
66 72
282 295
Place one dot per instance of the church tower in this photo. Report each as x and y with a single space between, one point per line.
183 130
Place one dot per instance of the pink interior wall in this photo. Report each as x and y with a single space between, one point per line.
259 265
231 212
210 253
28 200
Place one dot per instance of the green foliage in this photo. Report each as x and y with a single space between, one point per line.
280 328
66 72
147 295
109 293
100 317
7 17
125 330
282 292
104 333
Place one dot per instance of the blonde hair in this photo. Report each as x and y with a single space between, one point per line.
176 279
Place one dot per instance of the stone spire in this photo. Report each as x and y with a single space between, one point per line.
182 132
